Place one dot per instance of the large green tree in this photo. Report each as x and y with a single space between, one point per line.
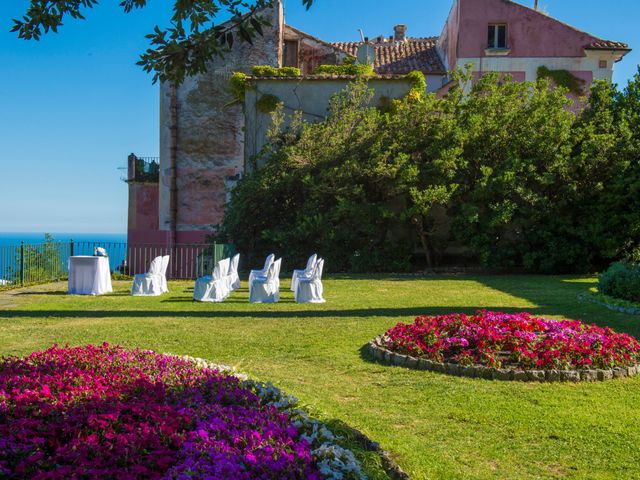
331 187
192 39
504 171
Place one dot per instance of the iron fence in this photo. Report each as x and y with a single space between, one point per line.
143 169
27 264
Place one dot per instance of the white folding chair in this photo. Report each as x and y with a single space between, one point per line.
225 265
261 273
165 266
266 289
233 277
308 270
149 284
215 287
310 289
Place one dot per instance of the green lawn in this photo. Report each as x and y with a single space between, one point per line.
436 426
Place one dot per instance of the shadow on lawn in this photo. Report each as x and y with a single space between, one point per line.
407 314
558 295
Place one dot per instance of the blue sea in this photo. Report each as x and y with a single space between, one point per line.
84 244
14 238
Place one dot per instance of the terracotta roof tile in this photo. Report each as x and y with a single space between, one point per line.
607 45
401 57
382 76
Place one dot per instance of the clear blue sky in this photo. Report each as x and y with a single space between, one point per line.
74 105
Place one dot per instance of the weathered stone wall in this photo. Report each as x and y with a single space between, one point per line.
210 135
310 95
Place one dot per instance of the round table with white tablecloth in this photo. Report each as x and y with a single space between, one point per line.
89 275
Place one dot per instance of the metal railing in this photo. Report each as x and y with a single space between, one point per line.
28 264
143 169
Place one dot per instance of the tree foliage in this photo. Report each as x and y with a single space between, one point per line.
40 262
193 38
505 172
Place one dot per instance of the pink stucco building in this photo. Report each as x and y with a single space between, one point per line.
205 144
505 36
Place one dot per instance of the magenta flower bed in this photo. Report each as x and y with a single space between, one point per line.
105 412
496 339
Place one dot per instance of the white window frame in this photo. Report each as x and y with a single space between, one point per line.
496 36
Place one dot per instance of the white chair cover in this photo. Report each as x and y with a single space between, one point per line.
261 273
223 269
266 289
234 278
308 270
215 287
165 266
310 289
149 284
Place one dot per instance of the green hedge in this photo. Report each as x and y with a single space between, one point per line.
621 280
348 69
267 71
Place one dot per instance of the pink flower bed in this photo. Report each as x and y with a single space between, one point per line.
105 412
496 339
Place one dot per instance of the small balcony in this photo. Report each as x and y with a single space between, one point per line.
143 169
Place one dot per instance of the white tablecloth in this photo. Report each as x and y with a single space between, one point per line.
89 275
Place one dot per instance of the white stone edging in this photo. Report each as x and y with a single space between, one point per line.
333 460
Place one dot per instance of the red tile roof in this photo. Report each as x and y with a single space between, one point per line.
401 57
607 45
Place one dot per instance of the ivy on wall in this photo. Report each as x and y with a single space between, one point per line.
267 103
562 78
238 86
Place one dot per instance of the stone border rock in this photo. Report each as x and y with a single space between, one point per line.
392 469
616 308
383 355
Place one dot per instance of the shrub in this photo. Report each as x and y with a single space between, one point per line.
496 339
563 78
621 280
506 173
268 71
358 70
238 85
267 103
418 85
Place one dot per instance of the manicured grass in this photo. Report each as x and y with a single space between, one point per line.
436 426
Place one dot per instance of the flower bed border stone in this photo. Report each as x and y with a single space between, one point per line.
388 357
586 297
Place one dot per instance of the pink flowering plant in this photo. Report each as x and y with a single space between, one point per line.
106 412
513 340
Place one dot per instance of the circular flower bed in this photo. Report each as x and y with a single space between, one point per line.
507 346
105 412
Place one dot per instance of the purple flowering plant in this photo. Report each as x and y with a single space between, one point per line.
107 412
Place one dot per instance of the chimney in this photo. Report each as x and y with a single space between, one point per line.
366 54
400 33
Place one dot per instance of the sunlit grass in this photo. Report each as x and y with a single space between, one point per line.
435 426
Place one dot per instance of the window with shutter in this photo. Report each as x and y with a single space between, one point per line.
290 53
